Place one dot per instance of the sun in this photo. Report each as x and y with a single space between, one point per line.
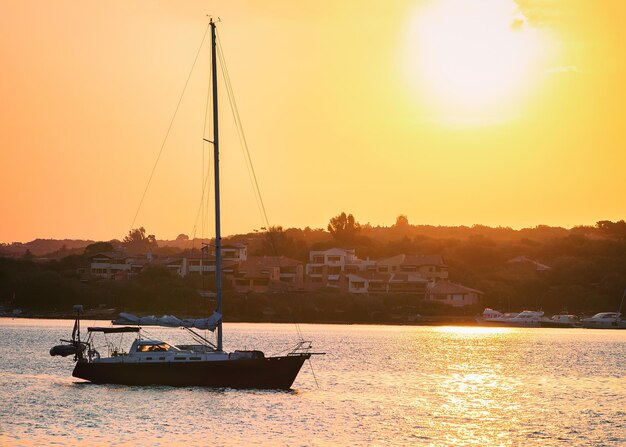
471 56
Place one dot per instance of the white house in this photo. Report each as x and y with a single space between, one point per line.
328 267
109 265
375 282
452 294
431 267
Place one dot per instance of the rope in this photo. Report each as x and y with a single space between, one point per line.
240 133
313 372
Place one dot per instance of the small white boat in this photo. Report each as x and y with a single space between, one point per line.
526 318
605 320
492 317
561 321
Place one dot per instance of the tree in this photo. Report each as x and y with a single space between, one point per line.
182 237
613 229
344 228
138 242
98 247
402 221
277 242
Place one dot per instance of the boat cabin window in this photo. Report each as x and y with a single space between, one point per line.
153 348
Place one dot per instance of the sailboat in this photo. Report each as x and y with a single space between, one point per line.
155 362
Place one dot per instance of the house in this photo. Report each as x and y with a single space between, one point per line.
268 273
234 252
177 265
204 263
376 282
110 265
198 264
452 294
327 268
431 267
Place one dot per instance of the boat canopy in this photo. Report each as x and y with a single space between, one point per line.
169 321
112 330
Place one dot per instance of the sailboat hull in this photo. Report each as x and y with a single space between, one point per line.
263 373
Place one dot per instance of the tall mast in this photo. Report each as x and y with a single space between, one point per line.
216 163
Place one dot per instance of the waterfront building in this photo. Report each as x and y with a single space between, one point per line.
455 295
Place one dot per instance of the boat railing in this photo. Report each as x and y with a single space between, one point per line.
304 348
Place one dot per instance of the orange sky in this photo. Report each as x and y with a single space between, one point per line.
451 112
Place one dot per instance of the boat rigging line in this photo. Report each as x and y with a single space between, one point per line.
240 132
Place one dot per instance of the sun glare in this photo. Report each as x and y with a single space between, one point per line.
471 56
473 330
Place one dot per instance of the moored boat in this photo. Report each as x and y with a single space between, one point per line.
607 320
561 321
492 317
526 318
604 320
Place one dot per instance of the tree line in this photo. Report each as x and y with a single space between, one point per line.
587 270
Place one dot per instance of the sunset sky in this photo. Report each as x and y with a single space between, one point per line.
452 112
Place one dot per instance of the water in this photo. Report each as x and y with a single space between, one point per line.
378 385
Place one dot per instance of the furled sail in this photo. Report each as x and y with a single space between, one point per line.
169 321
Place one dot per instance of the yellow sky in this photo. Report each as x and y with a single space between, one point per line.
451 112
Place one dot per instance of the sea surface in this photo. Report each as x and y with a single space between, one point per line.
377 385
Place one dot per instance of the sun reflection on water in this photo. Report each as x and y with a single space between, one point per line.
474 330
405 386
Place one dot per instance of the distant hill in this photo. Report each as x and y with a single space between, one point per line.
372 236
40 247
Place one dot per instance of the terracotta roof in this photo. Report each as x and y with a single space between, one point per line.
414 260
447 287
371 276
259 266
388 277
332 251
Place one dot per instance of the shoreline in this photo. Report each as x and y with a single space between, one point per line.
418 321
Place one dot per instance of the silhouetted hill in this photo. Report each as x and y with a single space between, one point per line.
41 247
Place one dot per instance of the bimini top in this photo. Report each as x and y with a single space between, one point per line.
113 330
170 321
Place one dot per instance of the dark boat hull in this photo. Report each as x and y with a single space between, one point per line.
557 324
262 373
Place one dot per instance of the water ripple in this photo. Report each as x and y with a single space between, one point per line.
378 386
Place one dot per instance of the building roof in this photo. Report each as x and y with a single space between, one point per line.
234 245
110 255
372 276
260 266
450 288
338 251
414 260
168 261
407 277
524 259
